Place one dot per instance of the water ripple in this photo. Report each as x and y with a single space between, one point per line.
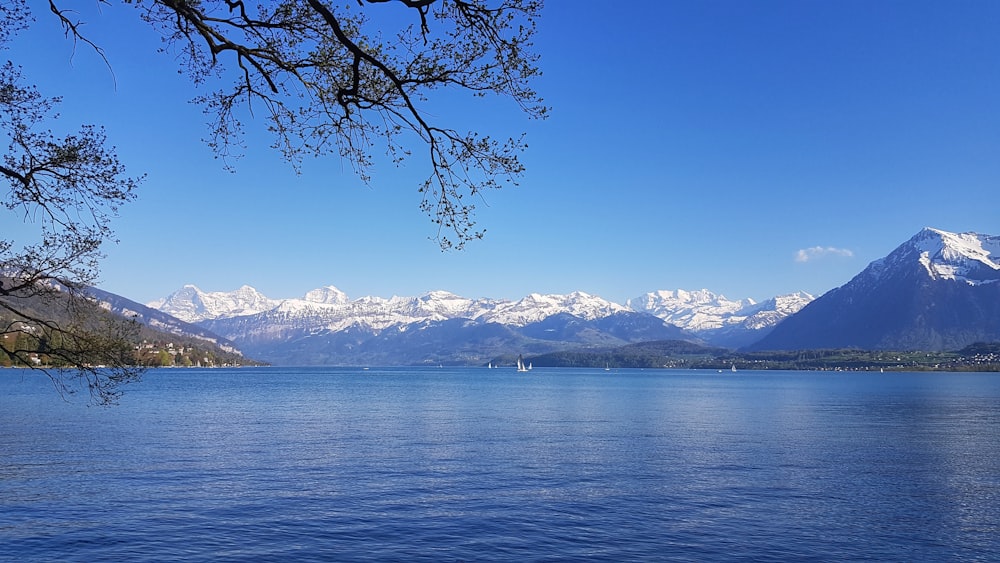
455 465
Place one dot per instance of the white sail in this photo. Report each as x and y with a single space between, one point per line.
520 365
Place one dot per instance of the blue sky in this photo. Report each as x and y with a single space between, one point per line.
749 148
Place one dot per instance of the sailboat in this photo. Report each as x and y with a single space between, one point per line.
733 368
520 364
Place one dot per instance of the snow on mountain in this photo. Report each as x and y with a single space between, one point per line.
693 310
329 295
774 310
245 313
331 307
441 305
192 305
156 319
374 313
968 257
716 319
536 307
972 260
936 291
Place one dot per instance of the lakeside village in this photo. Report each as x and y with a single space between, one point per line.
148 353
170 354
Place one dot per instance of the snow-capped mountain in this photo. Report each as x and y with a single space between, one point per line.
158 320
716 319
693 310
329 308
332 309
328 295
438 327
536 307
937 291
769 313
192 305
327 318
968 258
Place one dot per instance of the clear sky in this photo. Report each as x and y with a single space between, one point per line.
752 148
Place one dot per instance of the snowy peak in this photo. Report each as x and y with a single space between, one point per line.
692 310
329 309
536 307
191 304
328 295
969 257
698 297
936 291
442 305
771 312
718 320
792 302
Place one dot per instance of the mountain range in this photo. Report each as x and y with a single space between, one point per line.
325 326
938 290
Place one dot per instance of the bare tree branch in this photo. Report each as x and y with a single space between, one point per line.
331 84
70 187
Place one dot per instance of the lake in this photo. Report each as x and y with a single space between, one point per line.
460 464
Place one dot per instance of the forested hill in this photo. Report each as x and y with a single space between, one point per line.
682 354
155 342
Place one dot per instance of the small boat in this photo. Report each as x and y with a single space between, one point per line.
489 365
733 369
520 364
607 367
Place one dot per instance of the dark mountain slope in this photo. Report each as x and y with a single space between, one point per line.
937 291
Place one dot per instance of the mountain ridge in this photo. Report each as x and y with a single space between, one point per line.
695 311
327 326
936 291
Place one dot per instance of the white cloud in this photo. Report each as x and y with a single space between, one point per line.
807 254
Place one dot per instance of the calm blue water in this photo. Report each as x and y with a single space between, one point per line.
476 464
